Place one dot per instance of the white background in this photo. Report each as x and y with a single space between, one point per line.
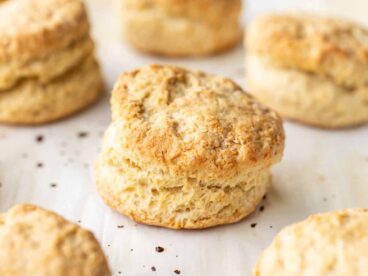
321 171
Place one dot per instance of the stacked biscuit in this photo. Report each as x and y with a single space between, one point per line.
186 149
47 64
181 28
310 68
34 241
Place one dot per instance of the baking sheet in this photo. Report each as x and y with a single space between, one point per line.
321 171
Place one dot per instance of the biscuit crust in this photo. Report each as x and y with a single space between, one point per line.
333 243
43 27
34 241
181 28
306 98
329 47
30 102
186 149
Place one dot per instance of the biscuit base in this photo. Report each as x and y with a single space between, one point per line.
159 34
33 103
306 98
159 198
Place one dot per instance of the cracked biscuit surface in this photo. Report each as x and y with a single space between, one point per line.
34 241
310 68
334 243
181 28
186 149
42 54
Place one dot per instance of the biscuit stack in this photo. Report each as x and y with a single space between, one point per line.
181 28
310 68
34 241
186 149
47 64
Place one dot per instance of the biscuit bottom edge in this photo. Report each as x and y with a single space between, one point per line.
33 103
189 205
306 98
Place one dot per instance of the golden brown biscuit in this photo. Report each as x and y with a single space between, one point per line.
310 68
181 28
34 241
333 243
31 103
43 55
186 149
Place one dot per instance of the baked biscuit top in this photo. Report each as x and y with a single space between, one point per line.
34 241
333 243
191 122
30 29
330 47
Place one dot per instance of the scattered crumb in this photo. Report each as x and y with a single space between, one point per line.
159 249
39 138
264 197
53 185
271 226
79 221
39 165
177 271
119 272
82 134
153 268
261 209
131 250
253 225
108 245
120 226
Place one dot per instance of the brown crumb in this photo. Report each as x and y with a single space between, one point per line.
153 268
53 185
264 197
159 249
253 225
176 271
120 226
39 165
82 134
39 138
261 209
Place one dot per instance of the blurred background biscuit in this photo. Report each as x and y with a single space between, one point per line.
181 28
45 49
34 241
309 68
334 243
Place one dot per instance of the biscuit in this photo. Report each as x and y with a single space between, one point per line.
309 68
333 243
34 241
186 149
41 53
181 28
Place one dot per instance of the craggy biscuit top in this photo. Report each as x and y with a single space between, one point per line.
330 47
30 29
191 123
34 241
333 243
211 11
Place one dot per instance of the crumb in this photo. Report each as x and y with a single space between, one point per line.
177 271
39 138
153 268
119 272
79 221
264 197
53 185
39 165
325 199
271 226
82 134
131 250
253 225
120 226
159 249
108 245
261 209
